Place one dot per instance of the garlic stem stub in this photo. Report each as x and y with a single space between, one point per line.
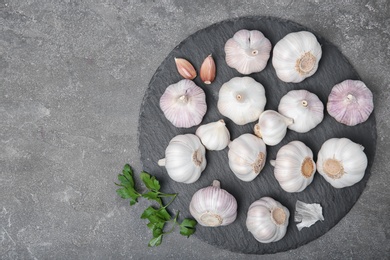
341 162
208 70
185 68
214 135
184 104
213 206
350 102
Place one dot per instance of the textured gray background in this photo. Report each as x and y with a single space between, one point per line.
72 78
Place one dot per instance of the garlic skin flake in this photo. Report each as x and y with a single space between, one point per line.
241 99
294 166
213 206
247 155
296 56
184 104
350 102
341 162
304 107
307 214
248 51
185 158
267 220
272 127
214 136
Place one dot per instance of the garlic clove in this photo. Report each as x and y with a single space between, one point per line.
208 70
350 102
214 136
185 68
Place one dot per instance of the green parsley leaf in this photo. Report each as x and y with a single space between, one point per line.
151 195
155 241
127 183
150 181
187 227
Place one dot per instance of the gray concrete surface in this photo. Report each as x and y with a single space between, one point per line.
72 77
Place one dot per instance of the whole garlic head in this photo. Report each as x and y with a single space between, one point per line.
272 127
294 166
248 51
304 107
184 103
296 56
184 158
214 136
213 206
267 220
247 155
241 99
341 162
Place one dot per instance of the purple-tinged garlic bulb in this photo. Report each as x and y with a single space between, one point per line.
248 51
184 103
350 102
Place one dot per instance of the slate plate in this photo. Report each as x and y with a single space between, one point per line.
155 132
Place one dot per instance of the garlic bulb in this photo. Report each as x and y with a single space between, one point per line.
184 158
350 102
341 162
272 127
248 51
184 103
267 220
213 206
294 166
304 107
214 136
296 56
247 155
242 99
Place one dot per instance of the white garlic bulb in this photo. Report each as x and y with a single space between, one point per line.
272 127
214 136
304 107
350 102
267 220
296 56
247 155
184 103
248 51
294 166
213 206
241 99
184 158
341 162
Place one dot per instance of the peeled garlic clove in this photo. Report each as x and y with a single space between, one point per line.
304 107
294 166
307 214
185 68
214 136
272 127
341 162
208 70
350 102
213 206
247 155
248 51
267 220
296 56
184 103
185 158
241 99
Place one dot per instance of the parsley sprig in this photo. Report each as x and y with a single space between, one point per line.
159 217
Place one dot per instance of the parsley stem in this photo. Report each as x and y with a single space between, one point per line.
174 197
174 224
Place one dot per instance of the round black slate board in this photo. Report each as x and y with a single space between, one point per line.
155 132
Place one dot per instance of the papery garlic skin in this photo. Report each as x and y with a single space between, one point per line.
241 99
213 206
185 158
341 162
248 51
247 155
214 136
184 104
350 102
267 220
294 166
307 214
304 107
296 56
272 127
